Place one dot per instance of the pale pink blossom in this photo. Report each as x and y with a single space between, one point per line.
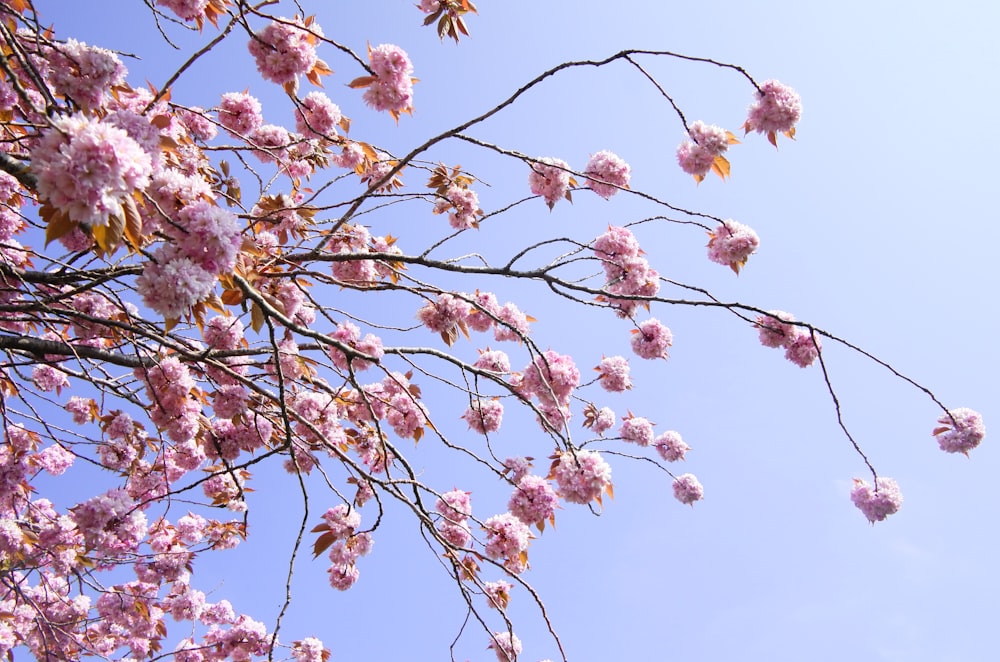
614 371
506 645
196 122
774 328
484 416
803 348
317 116
392 87
84 73
507 540
285 49
497 593
54 460
240 114
687 489
607 173
879 503
670 446
551 378
697 155
85 167
731 244
652 339
637 430
960 430
582 476
603 421
185 9
533 500
549 178
776 109
493 360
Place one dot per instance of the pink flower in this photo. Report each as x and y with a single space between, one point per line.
349 334
48 378
879 503
651 339
803 349
637 430
603 421
687 489
445 315
317 116
285 49
507 539
732 244
185 9
697 155
493 360
776 109
506 645
551 378
533 500
774 331
85 168
462 205
512 324
173 283
498 593
518 467
582 476
392 87
606 174
55 460
614 374
240 114
549 178
670 446
84 73
484 416
960 430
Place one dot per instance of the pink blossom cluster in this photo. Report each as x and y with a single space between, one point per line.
550 178
170 390
206 241
533 500
317 116
497 593
960 430
446 315
185 9
708 142
309 649
506 645
507 539
285 49
878 503
341 523
607 173
651 339
392 87
776 109
551 378
687 489
581 476
455 507
84 73
671 446
604 420
462 206
197 123
484 416
801 346
731 244
637 430
493 360
614 371
517 467
48 378
507 321
352 239
628 273
225 333
85 167
348 333
240 114
111 523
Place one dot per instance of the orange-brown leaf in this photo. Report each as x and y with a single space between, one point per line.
361 81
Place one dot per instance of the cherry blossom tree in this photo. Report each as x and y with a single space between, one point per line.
193 296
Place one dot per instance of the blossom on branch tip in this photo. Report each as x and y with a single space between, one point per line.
704 152
670 446
582 476
614 372
651 339
391 87
606 174
506 645
960 430
550 178
286 49
687 489
732 244
879 503
776 109
484 416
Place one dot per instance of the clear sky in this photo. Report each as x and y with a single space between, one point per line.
878 224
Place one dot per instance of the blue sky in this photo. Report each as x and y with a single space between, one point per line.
878 224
